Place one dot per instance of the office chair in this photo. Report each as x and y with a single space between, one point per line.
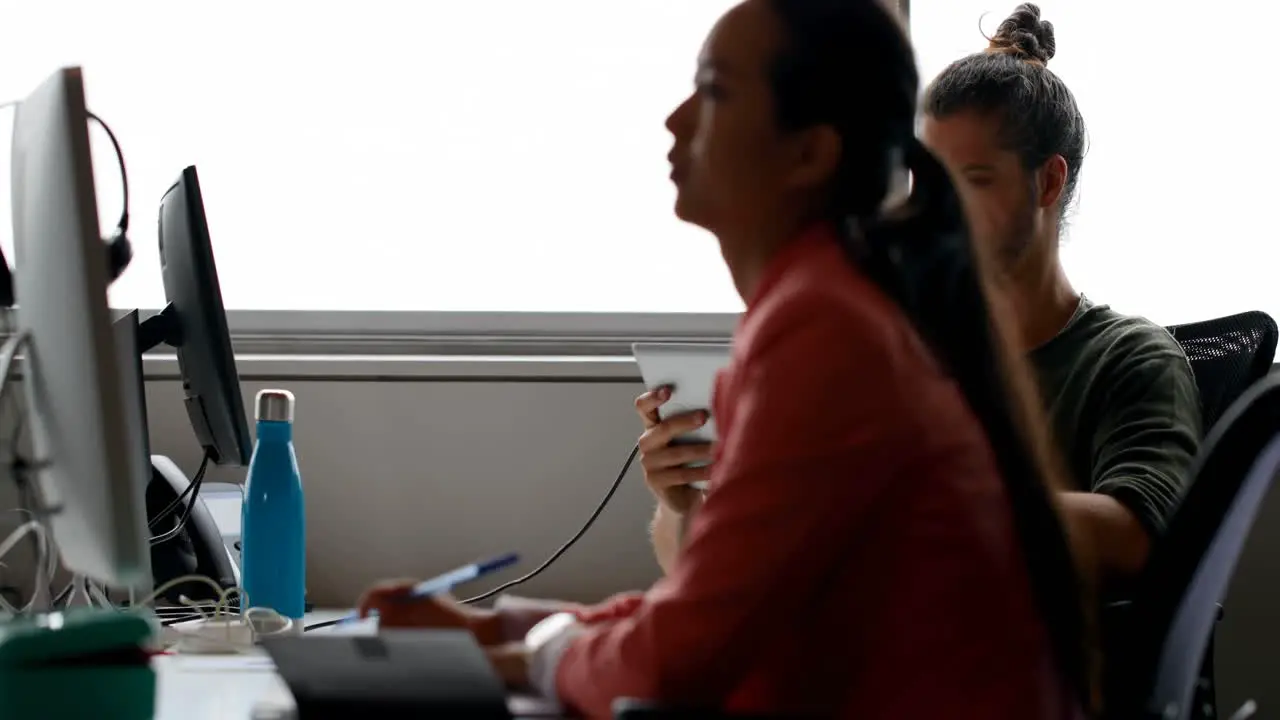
1227 355
1155 661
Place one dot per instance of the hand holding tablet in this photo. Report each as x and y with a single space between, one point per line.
676 446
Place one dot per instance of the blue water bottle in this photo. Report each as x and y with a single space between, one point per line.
273 551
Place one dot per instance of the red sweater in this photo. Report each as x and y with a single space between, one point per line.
855 556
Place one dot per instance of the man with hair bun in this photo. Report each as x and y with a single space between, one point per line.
1119 390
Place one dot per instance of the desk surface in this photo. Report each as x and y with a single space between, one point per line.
246 687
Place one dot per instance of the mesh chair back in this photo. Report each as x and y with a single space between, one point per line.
1227 355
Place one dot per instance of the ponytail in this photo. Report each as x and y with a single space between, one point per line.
920 253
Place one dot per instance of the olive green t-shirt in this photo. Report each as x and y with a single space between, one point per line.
1123 406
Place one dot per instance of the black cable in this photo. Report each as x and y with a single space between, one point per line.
204 464
181 525
568 544
325 624
194 488
123 226
617 482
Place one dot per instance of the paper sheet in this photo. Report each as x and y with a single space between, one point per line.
253 663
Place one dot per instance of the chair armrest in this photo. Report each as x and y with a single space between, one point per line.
1120 609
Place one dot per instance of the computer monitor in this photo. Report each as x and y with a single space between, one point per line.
88 467
195 323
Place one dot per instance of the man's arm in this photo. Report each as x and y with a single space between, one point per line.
1146 440
1113 536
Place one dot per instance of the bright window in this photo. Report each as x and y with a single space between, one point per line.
510 154
488 155
1177 195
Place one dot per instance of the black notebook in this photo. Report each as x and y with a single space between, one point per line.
397 674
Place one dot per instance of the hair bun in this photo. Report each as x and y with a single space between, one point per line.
1024 35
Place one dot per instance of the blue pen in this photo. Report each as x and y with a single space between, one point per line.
466 573
447 581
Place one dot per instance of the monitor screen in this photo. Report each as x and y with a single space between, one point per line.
209 378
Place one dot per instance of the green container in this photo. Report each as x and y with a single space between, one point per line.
76 665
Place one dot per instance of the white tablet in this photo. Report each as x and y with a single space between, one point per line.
690 371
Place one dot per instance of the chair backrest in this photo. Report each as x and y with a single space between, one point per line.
1190 568
1227 355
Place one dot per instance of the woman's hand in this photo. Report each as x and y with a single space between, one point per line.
511 663
666 470
396 607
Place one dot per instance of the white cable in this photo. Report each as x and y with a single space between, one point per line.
166 587
51 546
94 596
99 596
222 632
15 537
9 544
46 564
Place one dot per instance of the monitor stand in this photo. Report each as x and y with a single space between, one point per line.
163 328
199 550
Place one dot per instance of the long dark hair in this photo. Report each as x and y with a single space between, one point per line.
848 64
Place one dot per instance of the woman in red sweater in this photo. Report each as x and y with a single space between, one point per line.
878 539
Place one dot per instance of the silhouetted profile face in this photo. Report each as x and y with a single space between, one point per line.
734 167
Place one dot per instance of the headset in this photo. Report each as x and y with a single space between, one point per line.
119 249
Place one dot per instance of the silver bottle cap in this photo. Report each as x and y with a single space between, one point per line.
275 406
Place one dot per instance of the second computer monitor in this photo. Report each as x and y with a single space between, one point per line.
195 323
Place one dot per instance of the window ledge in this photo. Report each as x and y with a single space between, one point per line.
424 334
416 368
442 346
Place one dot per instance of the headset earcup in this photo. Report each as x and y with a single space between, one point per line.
119 255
